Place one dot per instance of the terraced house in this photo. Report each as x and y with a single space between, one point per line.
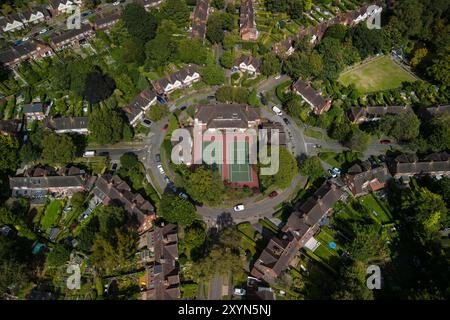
105 20
178 80
139 106
20 20
78 125
248 64
299 230
63 6
71 38
286 46
12 56
199 19
407 166
162 274
363 114
362 178
247 22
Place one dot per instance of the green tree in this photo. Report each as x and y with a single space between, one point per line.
205 186
105 125
270 64
162 49
58 256
177 11
286 172
58 149
352 283
401 127
8 153
227 59
312 167
437 132
192 51
177 210
140 24
110 218
212 75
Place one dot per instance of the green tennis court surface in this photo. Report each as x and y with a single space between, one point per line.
238 153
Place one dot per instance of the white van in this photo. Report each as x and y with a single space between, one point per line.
277 111
87 154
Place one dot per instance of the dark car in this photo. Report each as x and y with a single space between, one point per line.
104 154
210 97
286 120
183 108
273 194
385 141
157 158
114 167
165 127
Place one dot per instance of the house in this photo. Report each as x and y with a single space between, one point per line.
227 116
199 19
72 37
33 111
149 4
301 226
180 79
318 103
286 48
13 22
105 20
406 166
275 258
247 63
363 114
111 189
11 127
40 182
139 106
63 6
11 56
36 15
78 125
247 23
362 179
269 126
433 111
163 280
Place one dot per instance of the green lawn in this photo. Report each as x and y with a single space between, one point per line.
52 214
380 74
313 133
383 215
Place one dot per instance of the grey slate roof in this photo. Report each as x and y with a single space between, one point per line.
227 115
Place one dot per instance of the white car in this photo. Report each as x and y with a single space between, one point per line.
183 195
161 169
278 77
43 31
239 291
239 207
25 39
116 3
277 111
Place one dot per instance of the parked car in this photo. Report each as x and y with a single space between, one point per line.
114 167
385 141
104 154
278 77
277 111
161 169
25 39
239 291
167 180
166 127
210 97
158 157
182 108
183 195
336 170
318 146
146 122
273 194
332 173
239 207
43 31
286 120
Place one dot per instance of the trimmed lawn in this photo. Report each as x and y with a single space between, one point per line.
383 215
380 74
313 133
52 214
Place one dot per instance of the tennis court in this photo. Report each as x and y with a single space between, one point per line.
239 168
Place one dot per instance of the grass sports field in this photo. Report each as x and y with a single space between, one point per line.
377 75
